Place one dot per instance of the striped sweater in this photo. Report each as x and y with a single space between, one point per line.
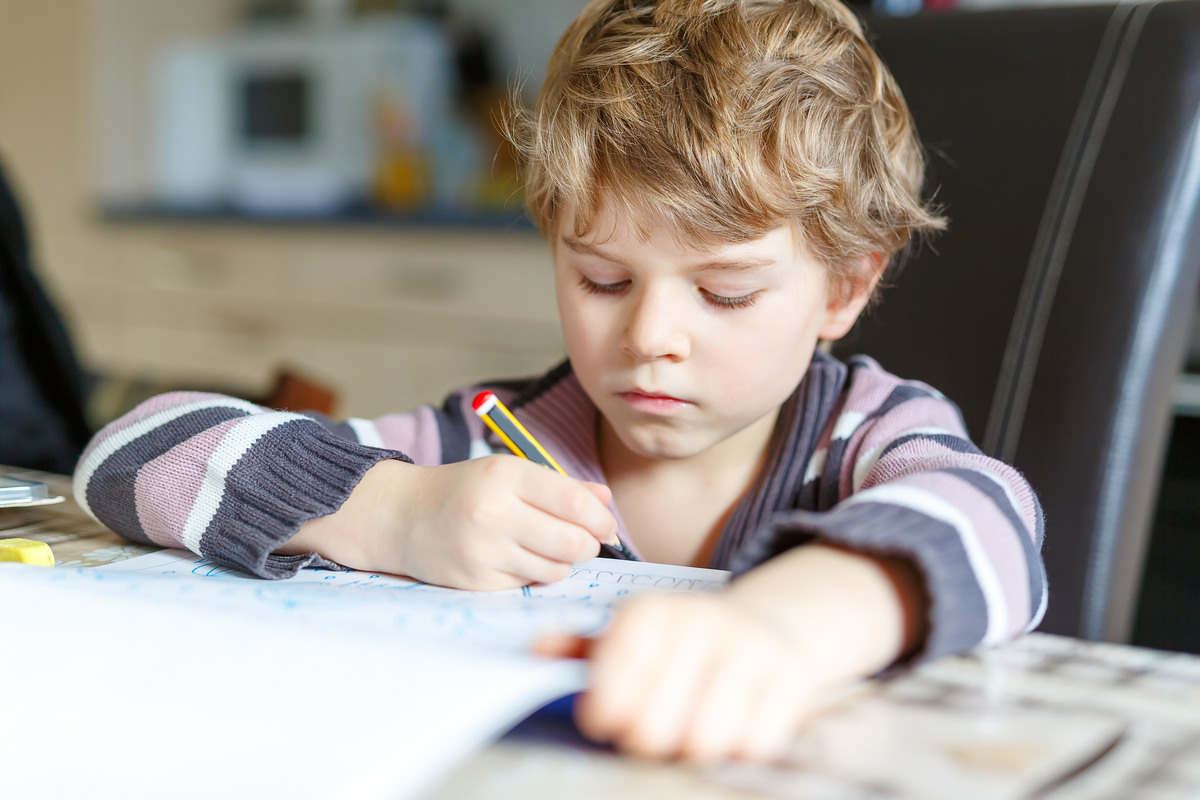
859 458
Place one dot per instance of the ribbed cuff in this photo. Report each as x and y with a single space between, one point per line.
956 613
295 473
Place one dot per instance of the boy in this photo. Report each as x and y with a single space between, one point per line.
723 183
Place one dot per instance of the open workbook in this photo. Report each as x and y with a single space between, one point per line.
169 676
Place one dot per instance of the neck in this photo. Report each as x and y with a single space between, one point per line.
675 509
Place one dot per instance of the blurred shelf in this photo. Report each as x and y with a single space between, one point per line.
355 216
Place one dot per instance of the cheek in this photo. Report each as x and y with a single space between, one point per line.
584 329
765 359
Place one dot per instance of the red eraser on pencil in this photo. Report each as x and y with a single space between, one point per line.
482 399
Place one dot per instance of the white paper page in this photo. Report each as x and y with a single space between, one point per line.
167 677
509 619
120 694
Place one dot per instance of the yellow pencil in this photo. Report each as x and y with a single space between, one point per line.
510 430
521 442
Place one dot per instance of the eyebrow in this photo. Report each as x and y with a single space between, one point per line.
736 264
580 246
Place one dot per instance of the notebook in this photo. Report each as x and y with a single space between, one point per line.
167 675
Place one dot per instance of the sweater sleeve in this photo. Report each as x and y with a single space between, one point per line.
226 479
899 476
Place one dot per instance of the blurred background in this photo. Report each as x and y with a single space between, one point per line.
274 196
224 189
220 190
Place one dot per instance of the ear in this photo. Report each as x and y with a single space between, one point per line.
847 303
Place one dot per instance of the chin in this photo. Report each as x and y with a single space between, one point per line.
667 448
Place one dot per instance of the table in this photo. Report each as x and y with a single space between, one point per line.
1044 716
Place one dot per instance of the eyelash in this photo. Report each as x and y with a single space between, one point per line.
715 300
720 301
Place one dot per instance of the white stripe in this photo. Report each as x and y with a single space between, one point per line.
240 438
866 462
366 432
815 465
85 471
1041 609
479 449
933 506
1044 595
1008 494
847 424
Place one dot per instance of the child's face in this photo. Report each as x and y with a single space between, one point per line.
683 349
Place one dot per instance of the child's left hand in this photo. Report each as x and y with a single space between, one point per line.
733 675
695 677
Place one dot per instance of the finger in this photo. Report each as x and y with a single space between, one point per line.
622 656
723 711
777 718
488 581
570 501
563 646
532 567
552 538
677 686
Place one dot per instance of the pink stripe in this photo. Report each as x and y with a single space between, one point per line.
922 455
415 434
992 530
143 410
166 488
868 391
564 421
919 412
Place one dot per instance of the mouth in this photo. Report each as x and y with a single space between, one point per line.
652 402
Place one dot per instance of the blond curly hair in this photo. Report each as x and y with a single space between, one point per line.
725 119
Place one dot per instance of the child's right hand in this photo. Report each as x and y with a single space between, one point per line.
490 523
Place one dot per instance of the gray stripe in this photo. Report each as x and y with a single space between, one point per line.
829 493
293 473
336 427
802 420
1033 558
453 433
110 492
948 440
898 397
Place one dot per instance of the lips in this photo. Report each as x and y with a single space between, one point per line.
652 402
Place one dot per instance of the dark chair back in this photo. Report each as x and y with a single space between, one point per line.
1064 148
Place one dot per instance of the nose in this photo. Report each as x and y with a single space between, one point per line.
655 328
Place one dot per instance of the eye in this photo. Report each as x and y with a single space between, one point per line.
592 287
721 301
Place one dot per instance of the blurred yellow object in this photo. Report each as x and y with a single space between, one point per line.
26 551
402 181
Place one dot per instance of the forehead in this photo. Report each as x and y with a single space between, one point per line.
620 225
